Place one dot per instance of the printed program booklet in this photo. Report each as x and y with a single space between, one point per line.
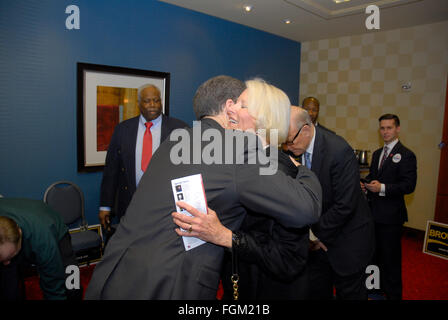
191 190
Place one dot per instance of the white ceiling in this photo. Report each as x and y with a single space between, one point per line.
319 19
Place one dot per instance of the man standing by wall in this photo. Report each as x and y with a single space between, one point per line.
130 150
393 173
312 105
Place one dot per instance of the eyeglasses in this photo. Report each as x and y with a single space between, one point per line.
288 143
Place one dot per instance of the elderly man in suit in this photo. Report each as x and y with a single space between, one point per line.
393 173
146 259
345 243
130 150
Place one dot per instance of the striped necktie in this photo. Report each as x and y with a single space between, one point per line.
384 157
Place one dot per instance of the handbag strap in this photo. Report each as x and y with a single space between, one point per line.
235 277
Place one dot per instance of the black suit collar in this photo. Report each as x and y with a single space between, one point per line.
131 141
396 149
211 123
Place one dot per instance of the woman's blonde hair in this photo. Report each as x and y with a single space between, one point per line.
270 106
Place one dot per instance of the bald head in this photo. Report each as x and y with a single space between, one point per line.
299 117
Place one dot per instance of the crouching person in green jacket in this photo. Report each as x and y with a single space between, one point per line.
32 233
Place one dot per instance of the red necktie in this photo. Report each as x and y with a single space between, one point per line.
147 146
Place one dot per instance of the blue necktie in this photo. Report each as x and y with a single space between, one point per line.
307 160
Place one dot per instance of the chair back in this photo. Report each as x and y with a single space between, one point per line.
67 199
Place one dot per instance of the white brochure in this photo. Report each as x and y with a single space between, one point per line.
191 190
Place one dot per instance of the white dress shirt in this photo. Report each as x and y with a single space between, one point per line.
310 150
389 146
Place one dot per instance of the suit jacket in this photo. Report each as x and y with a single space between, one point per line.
272 258
346 225
118 184
399 177
146 259
325 128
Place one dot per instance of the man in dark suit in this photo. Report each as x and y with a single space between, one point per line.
393 173
312 105
124 167
340 255
147 260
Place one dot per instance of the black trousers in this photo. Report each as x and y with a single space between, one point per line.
388 258
322 279
12 276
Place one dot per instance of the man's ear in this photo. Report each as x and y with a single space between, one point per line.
229 106
308 131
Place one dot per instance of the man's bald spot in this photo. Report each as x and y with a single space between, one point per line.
299 117
295 116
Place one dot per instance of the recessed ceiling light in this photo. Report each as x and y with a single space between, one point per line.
287 21
340 1
248 8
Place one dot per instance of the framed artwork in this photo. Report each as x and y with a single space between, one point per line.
108 95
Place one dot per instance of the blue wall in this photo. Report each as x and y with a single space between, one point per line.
38 57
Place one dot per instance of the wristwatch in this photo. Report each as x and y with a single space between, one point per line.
236 238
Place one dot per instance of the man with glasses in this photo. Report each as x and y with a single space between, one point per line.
345 235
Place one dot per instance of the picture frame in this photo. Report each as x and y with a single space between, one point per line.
106 96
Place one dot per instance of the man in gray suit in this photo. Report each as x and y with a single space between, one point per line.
146 259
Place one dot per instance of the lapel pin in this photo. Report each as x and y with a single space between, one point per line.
396 158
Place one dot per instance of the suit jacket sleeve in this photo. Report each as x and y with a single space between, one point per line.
294 203
407 177
345 193
109 182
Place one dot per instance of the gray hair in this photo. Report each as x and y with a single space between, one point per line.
143 87
302 118
212 95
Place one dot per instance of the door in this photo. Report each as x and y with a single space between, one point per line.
441 214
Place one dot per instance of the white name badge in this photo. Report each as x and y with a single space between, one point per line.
396 158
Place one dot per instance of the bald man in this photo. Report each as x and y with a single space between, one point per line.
124 168
340 255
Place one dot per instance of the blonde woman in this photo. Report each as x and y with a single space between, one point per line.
271 257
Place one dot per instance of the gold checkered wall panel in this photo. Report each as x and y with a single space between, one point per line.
359 78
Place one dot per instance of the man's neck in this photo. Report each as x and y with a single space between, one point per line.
391 143
220 119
